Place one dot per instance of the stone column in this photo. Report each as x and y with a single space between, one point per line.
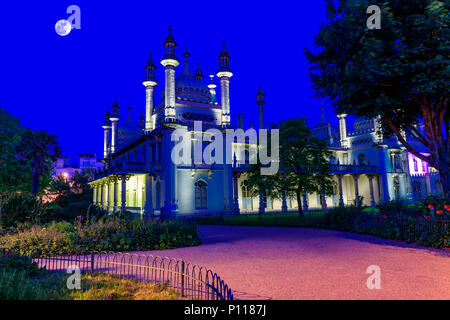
341 193
324 201
284 207
148 208
149 88
355 177
236 193
124 193
372 197
94 200
116 190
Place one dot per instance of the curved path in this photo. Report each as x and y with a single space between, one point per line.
294 263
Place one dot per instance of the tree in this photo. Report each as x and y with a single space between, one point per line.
13 177
59 188
80 181
39 150
400 72
304 165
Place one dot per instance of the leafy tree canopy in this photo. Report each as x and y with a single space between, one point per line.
400 72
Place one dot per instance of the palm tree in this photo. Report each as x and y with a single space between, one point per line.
38 150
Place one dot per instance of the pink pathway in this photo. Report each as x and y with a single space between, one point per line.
294 263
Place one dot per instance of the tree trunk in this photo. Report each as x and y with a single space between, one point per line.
299 203
445 181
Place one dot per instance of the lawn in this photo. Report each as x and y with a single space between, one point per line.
291 219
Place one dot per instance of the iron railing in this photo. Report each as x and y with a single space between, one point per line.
191 281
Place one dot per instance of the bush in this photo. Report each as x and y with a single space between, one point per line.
19 208
108 234
14 262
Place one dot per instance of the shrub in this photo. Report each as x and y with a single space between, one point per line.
20 208
111 234
16 262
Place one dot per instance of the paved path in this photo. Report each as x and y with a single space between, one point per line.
293 263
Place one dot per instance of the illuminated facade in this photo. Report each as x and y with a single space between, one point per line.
139 175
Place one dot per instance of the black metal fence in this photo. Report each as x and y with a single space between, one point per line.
191 281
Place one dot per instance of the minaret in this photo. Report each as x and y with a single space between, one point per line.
212 89
142 121
260 102
115 128
107 134
343 130
149 83
225 74
198 73
170 62
240 121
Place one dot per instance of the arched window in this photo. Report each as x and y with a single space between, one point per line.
201 195
362 159
246 197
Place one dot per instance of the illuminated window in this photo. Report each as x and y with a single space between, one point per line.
415 165
246 198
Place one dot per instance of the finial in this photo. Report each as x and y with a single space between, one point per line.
170 29
186 55
212 77
223 43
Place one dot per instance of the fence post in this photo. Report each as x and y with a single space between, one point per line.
92 262
182 277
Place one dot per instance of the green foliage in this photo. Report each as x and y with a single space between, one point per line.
17 262
304 165
13 177
38 150
400 72
109 234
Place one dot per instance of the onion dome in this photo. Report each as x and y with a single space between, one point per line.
198 73
224 59
107 122
260 97
128 129
115 109
170 45
190 88
150 70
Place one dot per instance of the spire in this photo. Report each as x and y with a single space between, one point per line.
130 117
198 73
260 102
107 116
260 97
115 108
150 70
224 59
142 120
212 89
170 45
186 71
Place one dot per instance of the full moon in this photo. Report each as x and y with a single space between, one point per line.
63 27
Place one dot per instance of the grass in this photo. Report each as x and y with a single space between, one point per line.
16 285
108 287
311 219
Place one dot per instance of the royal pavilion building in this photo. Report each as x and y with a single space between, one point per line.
140 176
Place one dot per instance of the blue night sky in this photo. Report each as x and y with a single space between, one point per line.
63 84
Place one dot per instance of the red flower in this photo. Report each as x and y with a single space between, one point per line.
430 206
439 212
447 207
384 216
428 217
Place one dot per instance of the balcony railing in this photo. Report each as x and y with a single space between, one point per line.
121 168
349 168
